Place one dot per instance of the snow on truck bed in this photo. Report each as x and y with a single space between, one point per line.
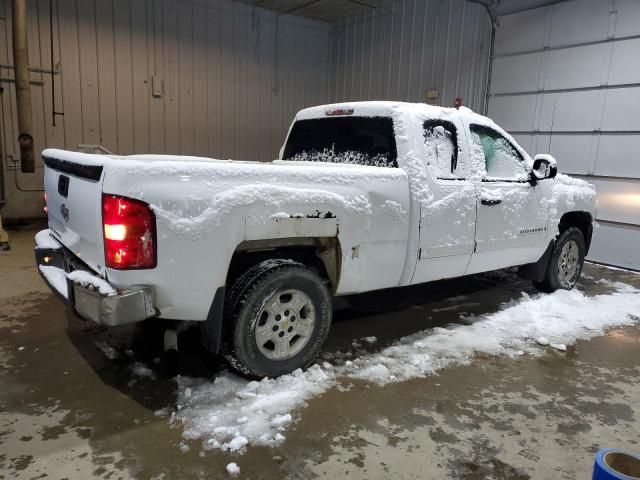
230 413
157 164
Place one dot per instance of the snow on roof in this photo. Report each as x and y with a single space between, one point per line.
391 108
370 108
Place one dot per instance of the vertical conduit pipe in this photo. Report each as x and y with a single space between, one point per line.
2 187
490 8
23 88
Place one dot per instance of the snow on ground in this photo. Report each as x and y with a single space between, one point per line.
231 413
107 350
233 469
141 370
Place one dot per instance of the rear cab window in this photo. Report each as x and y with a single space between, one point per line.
353 140
441 147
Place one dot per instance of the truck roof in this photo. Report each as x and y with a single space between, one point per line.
384 108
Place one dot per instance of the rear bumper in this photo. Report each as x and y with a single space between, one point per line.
90 296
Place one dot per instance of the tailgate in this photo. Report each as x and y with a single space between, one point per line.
73 184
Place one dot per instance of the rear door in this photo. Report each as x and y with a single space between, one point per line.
447 222
73 184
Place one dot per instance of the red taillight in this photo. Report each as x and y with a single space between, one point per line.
45 208
129 228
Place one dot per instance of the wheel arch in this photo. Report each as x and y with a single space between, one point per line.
581 220
323 254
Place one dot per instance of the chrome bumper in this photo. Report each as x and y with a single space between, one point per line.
120 307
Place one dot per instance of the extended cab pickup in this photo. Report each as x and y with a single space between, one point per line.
364 196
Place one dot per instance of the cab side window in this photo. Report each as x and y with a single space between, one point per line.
501 160
441 143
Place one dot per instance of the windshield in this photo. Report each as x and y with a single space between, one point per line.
357 140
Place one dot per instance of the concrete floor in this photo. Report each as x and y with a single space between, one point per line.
67 411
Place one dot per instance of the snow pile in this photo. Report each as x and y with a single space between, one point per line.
231 413
556 320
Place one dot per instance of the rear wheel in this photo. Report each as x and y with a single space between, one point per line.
566 262
278 317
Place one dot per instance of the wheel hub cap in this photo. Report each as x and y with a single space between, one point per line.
568 264
285 324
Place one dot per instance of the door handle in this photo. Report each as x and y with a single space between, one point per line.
491 201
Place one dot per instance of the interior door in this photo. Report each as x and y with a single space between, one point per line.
512 215
447 221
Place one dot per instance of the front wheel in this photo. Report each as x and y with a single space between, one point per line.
277 319
565 264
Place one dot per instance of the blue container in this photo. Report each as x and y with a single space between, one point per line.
614 464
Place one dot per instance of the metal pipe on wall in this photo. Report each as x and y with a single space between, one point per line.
4 236
2 186
23 88
490 7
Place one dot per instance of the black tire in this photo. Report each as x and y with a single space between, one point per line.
244 305
552 281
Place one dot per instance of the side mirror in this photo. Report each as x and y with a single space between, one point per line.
544 166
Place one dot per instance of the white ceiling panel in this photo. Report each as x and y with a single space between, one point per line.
327 10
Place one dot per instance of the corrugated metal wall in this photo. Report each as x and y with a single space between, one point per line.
406 47
566 78
203 77
219 78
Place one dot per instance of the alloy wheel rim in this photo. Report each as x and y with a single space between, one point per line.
285 324
568 263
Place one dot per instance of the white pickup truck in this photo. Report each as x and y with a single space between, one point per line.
365 196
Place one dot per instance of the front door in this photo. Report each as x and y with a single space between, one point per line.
512 214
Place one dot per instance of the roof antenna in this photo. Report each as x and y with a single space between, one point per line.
553 116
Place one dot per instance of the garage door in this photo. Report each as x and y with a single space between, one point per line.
566 80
